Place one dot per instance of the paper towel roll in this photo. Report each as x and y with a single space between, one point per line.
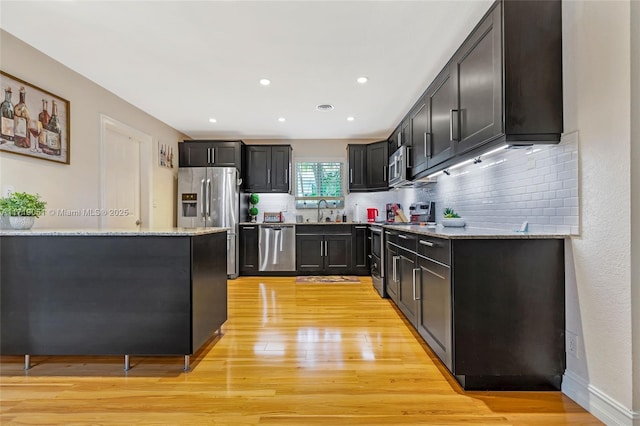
356 213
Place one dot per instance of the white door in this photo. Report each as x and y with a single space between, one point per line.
124 174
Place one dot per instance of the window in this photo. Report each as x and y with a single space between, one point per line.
317 181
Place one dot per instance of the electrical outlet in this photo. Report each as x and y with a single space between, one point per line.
572 344
7 190
531 163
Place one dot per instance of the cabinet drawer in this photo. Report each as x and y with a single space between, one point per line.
407 241
391 236
323 229
437 249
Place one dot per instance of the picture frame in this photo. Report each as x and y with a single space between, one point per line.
37 133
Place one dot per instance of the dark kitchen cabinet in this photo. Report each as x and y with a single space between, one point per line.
211 153
441 103
248 249
433 319
369 167
378 165
503 85
477 71
391 266
361 249
309 253
492 310
407 269
268 168
357 167
419 130
324 249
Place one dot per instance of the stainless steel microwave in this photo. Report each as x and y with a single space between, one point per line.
398 168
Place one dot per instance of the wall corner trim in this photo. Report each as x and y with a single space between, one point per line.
598 403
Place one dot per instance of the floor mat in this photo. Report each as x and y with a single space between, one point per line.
328 279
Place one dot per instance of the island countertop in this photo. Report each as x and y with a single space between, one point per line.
111 232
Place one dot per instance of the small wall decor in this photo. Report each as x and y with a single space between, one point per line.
34 122
165 155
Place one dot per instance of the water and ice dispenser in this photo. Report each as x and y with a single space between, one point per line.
189 205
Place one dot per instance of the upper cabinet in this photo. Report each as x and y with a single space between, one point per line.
268 168
211 153
368 167
503 85
476 117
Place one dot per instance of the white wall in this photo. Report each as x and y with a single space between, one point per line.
77 186
635 199
597 100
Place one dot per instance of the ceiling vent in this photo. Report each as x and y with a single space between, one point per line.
324 107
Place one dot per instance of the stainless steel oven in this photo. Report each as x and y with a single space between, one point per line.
377 259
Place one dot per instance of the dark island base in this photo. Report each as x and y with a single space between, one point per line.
111 295
510 383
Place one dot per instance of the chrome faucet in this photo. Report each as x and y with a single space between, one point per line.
325 206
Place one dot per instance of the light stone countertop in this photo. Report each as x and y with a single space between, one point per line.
473 233
301 223
161 232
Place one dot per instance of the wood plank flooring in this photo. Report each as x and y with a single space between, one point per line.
290 354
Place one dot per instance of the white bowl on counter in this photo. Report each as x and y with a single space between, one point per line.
454 222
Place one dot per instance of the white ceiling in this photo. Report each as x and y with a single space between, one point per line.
184 62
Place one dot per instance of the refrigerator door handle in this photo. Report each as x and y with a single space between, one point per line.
209 198
203 198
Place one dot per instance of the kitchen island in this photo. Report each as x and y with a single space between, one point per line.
111 292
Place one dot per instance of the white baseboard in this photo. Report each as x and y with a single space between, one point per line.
598 403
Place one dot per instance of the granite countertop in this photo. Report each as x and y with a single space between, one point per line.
472 233
162 232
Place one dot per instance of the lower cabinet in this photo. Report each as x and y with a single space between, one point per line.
361 249
324 250
248 249
492 310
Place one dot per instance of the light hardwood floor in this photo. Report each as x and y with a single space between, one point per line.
290 354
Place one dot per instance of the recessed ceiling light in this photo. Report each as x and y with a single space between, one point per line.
350 118
324 107
362 80
265 81
213 120
282 119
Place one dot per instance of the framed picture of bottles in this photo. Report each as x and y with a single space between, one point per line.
35 122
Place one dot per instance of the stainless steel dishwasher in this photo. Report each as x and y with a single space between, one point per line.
277 248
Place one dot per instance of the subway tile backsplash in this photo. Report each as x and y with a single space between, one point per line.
538 184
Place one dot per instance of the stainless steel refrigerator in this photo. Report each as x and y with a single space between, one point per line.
210 196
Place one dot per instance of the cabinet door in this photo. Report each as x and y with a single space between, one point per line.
248 249
407 286
357 167
405 132
226 154
378 165
434 313
419 129
194 154
258 176
396 139
280 168
391 275
361 249
309 253
337 254
441 102
478 78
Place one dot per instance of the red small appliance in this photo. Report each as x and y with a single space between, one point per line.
372 214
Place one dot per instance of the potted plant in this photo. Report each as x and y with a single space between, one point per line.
253 210
22 209
451 218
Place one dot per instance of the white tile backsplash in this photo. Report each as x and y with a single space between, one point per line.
538 184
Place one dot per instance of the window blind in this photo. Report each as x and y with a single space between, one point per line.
319 180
